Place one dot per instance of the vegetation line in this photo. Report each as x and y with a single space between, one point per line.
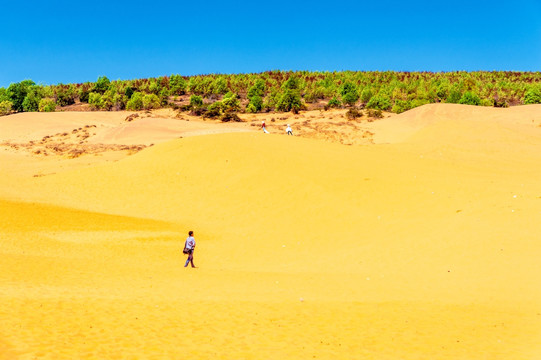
223 96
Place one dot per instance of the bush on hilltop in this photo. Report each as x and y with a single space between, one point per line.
5 107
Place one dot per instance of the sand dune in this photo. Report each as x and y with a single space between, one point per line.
421 246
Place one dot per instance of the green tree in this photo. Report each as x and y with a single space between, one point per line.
151 101
47 105
17 92
84 92
290 100
136 102
219 86
155 86
119 101
32 99
107 100
177 85
128 92
258 89
443 91
95 101
255 104
101 85
454 95
65 95
292 83
4 95
366 95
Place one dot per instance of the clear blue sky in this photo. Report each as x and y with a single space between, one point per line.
55 42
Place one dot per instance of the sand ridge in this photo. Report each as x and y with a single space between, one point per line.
422 245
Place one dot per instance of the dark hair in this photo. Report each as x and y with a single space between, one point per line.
190 233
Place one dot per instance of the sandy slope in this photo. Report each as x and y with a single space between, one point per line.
424 246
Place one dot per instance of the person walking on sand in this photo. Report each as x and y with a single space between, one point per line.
189 248
264 127
288 130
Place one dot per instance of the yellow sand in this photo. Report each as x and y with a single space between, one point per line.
422 246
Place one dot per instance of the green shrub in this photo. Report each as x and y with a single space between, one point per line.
65 95
270 101
196 101
290 100
401 105
230 116
532 96
84 93
214 110
419 102
366 95
5 107
151 101
177 85
95 101
219 86
292 83
258 89
255 104
454 95
470 98
314 94
119 102
349 93
380 102
442 91
32 99
4 95
200 85
154 87
333 103
47 105
231 102
101 85
136 102
129 92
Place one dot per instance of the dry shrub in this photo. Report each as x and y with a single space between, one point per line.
375 113
353 113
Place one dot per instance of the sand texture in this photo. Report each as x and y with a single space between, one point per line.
415 236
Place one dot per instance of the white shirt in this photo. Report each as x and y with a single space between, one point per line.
289 129
190 242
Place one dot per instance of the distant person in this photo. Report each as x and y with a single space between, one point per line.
288 130
189 247
264 127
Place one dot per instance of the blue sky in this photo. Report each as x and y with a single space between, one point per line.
77 41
